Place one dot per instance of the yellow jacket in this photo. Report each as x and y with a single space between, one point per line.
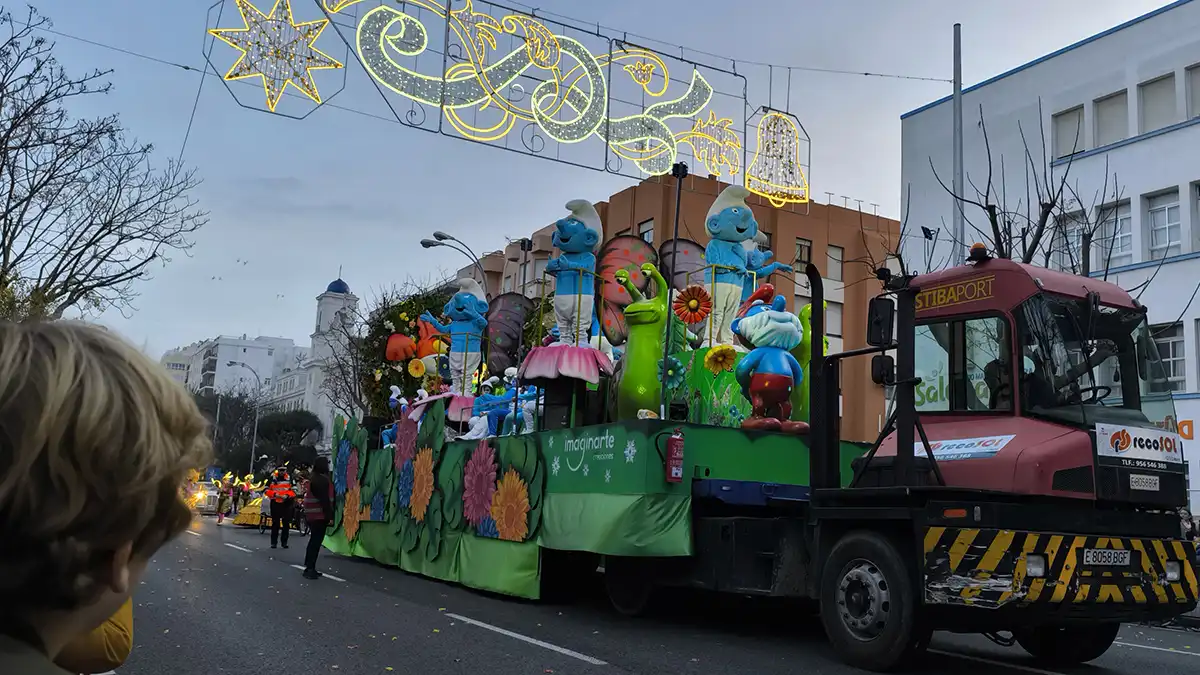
105 648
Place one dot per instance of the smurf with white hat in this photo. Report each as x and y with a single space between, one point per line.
467 311
729 223
576 237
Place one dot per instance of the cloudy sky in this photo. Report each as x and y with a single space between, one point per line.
292 202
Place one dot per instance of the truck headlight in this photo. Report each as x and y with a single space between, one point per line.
1174 570
1035 565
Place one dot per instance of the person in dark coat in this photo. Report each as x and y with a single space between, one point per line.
318 509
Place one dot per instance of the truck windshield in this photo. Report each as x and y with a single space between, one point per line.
1083 365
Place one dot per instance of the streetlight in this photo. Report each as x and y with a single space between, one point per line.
442 239
254 436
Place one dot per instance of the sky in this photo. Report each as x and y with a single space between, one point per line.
293 202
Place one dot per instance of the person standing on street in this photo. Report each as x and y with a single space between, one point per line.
283 505
318 509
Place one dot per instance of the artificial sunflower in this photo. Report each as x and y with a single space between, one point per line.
416 368
693 305
510 507
720 358
422 489
352 513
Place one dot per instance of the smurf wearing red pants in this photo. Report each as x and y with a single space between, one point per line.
769 372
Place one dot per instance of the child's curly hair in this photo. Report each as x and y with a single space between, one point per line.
95 442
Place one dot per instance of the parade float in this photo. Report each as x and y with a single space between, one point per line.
647 403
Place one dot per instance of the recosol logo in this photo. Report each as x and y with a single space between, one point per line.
1121 441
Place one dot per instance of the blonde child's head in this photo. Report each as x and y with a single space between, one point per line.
95 442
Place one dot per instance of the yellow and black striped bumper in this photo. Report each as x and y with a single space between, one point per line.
986 568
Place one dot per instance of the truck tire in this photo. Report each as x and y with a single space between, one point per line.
629 584
868 603
1067 645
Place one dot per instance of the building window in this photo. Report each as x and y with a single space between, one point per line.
1193 91
646 231
508 283
833 319
1116 236
623 233
1156 103
539 268
1163 218
1070 243
803 251
1112 119
835 255
1068 132
523 271
765 241
1169 339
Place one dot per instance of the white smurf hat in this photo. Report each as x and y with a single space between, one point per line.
584 212
734 195
469 285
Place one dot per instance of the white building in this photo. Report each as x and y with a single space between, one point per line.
291 376
178 361
1124 103
299 383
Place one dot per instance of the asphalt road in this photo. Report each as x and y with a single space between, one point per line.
220 600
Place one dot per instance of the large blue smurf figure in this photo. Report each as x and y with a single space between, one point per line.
729 223
466 310
576 236
757 256
769 372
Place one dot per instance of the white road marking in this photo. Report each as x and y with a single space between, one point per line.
327 575
1002 664
1155 649
523 638
244 550
194 534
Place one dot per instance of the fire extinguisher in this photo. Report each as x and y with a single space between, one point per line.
674 463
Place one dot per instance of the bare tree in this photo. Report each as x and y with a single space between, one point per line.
83 213
1023 230
1086 231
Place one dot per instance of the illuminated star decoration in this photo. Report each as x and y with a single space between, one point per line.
277 49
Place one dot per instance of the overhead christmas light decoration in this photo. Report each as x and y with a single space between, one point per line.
509 78
777 170
277 49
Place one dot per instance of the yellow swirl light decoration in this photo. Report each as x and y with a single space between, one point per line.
478 82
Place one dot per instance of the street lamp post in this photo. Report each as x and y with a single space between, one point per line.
257 392
443 239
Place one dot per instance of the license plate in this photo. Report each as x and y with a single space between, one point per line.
1143 483
1105 557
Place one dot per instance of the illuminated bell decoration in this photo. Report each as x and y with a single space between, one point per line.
776 172
399 347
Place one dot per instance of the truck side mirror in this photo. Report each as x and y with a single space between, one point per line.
883 370
881 318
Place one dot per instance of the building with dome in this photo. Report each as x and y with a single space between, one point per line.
301 384
289 376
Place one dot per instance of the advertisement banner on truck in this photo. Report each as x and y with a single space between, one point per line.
964 448
1138 448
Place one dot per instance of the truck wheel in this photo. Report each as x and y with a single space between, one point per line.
868 603
629 585
1067 645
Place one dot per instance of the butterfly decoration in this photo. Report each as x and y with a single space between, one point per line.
629 253
506 317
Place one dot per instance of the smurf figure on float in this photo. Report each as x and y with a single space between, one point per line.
547 454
